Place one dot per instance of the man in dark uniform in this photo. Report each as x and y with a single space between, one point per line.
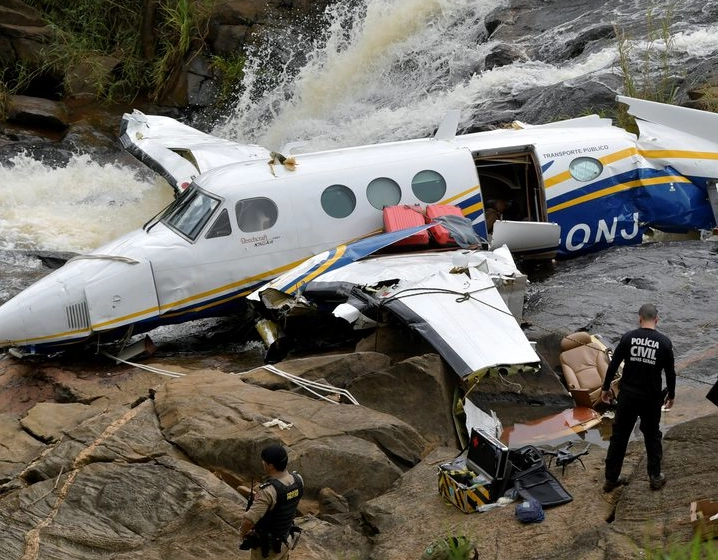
645 353
267 527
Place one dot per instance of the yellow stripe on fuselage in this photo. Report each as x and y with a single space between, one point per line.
605 160
618 188
320 270
628 152
251 280
677 154
645 182
469 209
48 338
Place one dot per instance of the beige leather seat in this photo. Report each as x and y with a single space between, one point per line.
584 360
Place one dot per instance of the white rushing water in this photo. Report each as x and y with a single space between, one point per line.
74 208
382 70
391 69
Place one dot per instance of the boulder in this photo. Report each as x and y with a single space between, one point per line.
335 369
418 391
48 422
89 77
218 420
150 509
23 34
118 434
18 448
35 111
503 55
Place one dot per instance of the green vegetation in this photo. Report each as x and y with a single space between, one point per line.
116 49
183 27
694 550
232 70
645 65
450 548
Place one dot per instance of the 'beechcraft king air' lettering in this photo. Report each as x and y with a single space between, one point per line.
644 350
582 234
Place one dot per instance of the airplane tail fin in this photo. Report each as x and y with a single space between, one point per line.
448 127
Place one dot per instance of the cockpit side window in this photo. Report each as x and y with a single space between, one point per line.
221 226
256 214
192 211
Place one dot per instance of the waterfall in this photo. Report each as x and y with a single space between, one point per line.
390 69
73 208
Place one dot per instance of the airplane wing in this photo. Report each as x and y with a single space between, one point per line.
449 297
295 279
179 152
702 124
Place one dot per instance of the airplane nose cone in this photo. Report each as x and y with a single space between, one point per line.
42 314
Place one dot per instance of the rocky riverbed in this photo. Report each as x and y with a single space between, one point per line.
101 460
107 461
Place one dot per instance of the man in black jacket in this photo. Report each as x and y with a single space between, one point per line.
645 354
267 527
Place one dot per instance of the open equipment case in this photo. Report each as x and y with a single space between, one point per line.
490 468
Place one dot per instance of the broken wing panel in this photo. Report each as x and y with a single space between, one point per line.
466 320
179 152
294 280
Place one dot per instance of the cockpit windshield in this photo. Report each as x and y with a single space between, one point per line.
189 213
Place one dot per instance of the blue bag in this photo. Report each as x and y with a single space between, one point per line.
530 511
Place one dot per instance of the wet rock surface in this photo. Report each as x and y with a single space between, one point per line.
104 461
111 461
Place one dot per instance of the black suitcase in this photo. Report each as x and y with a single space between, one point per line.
532 479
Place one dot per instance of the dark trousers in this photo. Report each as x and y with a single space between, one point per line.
630 408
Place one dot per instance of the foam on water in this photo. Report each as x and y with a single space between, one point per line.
700 42
382 71
74 208
391 69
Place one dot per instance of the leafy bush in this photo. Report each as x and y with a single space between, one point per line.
124 47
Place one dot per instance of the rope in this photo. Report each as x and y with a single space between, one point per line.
310 385
306 384
462 296
151 369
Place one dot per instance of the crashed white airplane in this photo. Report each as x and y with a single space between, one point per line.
241 222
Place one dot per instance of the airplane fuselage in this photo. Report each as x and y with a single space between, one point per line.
239 225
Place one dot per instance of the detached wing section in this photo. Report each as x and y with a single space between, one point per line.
179 152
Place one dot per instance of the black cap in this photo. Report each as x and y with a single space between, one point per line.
276 456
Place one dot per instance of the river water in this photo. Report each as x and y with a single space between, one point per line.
386 70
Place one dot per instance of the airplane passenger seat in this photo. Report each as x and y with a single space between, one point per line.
584 360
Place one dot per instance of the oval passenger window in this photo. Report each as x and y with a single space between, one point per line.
585 168
428 186
383 192
338 201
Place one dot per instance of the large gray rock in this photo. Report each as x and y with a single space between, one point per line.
35 111
339 370
218 421
150 509
414 390
48 421
118 434
18 447
418 391
23 34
